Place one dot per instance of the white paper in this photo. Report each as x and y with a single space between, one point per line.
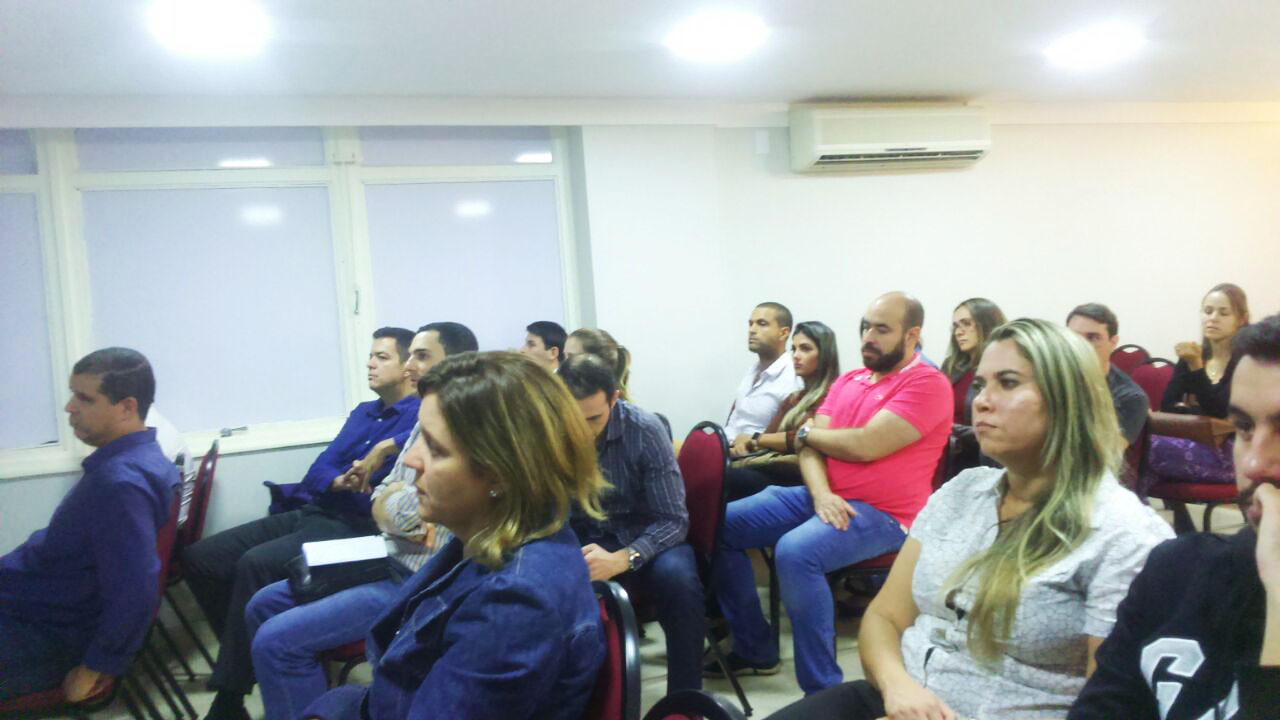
329 552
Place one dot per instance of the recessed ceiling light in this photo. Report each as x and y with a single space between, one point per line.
534 157
261 214
209 28
717 36
244 163
472 208
1096 46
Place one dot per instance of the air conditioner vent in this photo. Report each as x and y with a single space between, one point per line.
867 137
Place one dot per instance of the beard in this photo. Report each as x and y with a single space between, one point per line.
876 361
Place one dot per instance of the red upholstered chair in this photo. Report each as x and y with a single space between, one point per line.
616 695
693 705
1128 357
189 534
1153 377
1203 429
52 703
348 656
703 460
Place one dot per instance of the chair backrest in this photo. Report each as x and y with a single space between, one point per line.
166 537
1153 377
703 460
1134 457
193 530
1128 357
616 695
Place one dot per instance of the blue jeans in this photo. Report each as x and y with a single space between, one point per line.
288 637
805 550
36 657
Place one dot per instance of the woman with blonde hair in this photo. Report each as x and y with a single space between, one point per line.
593 341
502 622
971 322
1011 576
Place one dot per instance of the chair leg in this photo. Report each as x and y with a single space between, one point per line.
775 596
130 703
186 624
143 697
173 648
733 677
148 666
1181 518
173 683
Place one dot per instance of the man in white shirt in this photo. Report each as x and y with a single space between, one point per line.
769 380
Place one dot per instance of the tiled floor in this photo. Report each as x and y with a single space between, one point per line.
766 694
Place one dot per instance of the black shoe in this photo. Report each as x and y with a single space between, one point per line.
740 666
227 706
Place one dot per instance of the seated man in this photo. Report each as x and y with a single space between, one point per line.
642 538
1098 326
867 461
76 598
769 380
544 342
1198 635
287 637
225 570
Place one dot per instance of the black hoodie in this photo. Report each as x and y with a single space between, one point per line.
1187 638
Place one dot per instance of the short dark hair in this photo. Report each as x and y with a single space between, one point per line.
551 334
913 316
1260 341
587 374
454 337
402 336
1098 313
123 373
780 312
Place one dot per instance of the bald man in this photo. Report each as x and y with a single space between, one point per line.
867 460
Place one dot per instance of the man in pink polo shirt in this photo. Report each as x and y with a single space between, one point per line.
868 461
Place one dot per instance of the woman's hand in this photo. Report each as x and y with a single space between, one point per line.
1190 352
910 701
740 447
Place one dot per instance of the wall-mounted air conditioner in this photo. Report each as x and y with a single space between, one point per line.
847 137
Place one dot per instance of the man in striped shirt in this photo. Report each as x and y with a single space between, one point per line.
641 541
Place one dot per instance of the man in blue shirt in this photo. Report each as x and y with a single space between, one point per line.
76 598
225 570
642 541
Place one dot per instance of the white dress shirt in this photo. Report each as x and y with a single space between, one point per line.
759 395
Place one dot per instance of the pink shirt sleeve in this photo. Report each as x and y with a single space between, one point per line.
923 400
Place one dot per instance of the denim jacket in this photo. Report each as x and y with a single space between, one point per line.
464 642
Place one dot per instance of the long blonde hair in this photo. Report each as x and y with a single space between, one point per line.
817 384
517 425
1082 444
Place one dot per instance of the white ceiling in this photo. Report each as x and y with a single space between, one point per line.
986 50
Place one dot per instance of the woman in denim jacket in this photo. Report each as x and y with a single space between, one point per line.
502 623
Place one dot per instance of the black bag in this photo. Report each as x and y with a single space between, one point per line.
309 583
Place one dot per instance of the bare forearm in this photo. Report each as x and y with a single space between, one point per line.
880 649
776 442
842 444
813 469
1271 636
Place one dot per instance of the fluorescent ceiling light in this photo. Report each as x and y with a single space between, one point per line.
717 36
209 28
1096 46
534 157
244 163
261 214
472 208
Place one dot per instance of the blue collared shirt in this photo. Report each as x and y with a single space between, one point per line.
93 571
367 425
462 641
645 509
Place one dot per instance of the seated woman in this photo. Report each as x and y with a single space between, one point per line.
1201 384
971 323
592 341
1010 577
502 622
769 457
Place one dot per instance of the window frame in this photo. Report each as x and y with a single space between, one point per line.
59 185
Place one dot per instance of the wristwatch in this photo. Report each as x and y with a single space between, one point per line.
633 559
754 444
802 435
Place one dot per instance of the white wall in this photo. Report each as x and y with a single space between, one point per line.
692 226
